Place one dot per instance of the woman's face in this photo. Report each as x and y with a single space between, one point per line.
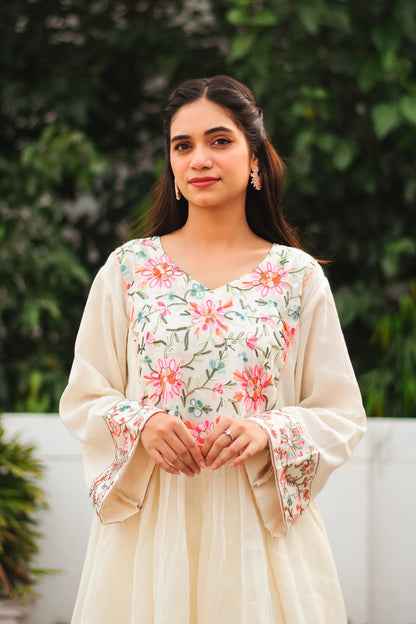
209 156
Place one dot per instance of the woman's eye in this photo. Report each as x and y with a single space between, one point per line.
181 147
222 141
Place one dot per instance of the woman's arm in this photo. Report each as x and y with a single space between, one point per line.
311 438
94 406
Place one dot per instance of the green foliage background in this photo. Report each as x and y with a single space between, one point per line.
80 146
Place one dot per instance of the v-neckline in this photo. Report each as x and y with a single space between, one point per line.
231 283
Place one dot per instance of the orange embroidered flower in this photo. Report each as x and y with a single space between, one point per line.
272 278
159 272
253 383
209 316
167 381
289 336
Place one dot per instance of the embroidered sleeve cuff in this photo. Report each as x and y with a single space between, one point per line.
294 459
118 492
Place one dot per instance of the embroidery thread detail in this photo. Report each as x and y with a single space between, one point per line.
125 422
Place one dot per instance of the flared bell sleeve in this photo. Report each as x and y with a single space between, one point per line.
312 437
94 406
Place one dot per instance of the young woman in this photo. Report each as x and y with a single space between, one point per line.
212 392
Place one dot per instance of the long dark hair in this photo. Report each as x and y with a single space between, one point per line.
263 208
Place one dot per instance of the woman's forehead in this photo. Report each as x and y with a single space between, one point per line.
200 114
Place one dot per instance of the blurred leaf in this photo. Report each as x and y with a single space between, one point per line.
386 118
394 252
344 153
369 72
241 46
265 18
385 36
245 15
236 16
326 141
407 106
310 15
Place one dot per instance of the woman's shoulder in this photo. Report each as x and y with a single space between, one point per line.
301 269
137 246
294 258
136 251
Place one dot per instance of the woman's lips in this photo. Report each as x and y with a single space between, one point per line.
202 182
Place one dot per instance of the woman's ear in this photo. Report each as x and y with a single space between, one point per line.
254 162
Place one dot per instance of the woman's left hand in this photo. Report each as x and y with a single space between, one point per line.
243 439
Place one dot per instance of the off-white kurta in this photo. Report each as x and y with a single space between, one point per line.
241 545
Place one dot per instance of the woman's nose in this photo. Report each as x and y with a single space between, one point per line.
200 158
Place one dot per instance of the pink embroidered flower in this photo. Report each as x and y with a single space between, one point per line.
162 308
150 339
251 341
159 272
273 278
217 390
289 336
253 382
147 241
200 430
209 316
167 381
267 321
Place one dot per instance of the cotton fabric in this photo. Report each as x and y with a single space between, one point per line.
243 544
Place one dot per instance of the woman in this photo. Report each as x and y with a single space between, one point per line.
212 392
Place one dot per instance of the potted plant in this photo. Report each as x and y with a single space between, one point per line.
20 501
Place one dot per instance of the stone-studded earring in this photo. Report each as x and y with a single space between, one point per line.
256 178
177 192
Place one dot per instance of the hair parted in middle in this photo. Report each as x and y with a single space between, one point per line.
264 207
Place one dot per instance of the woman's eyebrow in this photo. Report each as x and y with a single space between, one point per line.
181 137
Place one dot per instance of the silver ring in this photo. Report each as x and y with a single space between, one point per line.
228 432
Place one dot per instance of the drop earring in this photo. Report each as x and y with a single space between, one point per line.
177 192
256 178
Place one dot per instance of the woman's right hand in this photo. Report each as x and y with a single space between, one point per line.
171 446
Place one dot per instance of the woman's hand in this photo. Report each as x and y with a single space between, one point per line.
171 446
243 440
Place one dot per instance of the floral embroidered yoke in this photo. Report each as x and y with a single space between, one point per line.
206 353
202 354
266 346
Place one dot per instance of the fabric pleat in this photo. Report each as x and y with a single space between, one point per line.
198 553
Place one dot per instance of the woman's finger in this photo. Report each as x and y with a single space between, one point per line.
247 438
218 430
223 442
230 453
176 453
248 452
160 461
168 436
192 447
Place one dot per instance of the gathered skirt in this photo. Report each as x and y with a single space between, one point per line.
198 553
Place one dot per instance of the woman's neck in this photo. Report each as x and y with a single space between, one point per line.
213 229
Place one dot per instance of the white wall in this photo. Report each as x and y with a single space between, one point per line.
369 507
